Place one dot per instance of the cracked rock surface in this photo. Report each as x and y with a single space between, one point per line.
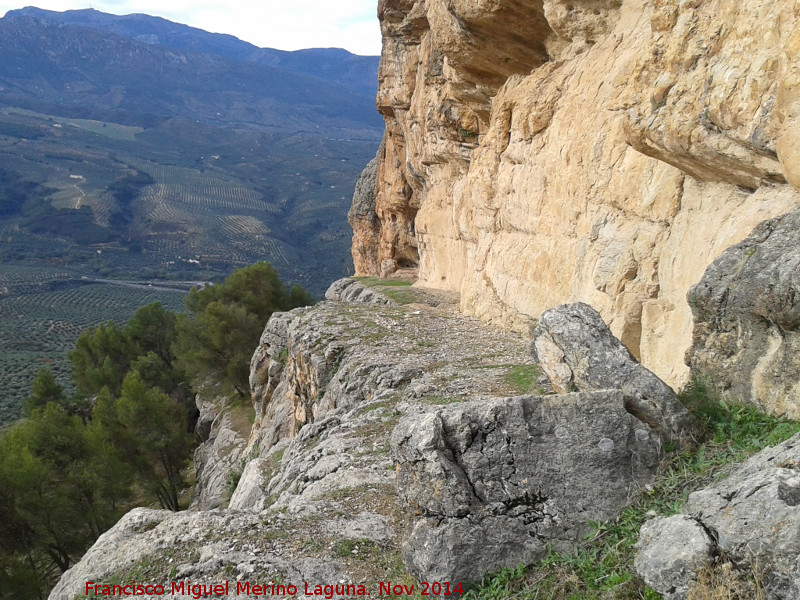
497 481
578 352
747 318
749 524
316 499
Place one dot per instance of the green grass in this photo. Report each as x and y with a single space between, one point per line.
601 568
405 295
442 400
233 477
400 296
375 281
523 378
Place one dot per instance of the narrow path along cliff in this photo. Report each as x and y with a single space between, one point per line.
316 498
553 151
391 438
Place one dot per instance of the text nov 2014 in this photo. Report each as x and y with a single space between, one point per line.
227 588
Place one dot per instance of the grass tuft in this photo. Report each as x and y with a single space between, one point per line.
523 378
723 581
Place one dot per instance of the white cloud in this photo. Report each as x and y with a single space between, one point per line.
285 24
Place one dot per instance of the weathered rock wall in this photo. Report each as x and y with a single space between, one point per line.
364 220
545 152
222 432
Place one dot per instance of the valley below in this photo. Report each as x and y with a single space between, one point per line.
126 160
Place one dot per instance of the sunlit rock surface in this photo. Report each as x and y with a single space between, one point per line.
545 152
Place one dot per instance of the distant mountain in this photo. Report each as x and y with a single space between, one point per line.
132 148
78 66
330 64
81 94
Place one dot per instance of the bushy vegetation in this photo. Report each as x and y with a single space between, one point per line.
14 191
42 315
78 461
217 340
39 216
125 190
602 566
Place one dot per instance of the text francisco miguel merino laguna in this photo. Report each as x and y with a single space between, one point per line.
227 588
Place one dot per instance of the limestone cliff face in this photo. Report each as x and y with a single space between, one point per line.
604 151
364 220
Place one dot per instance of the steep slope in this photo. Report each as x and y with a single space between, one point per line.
603 152
388 438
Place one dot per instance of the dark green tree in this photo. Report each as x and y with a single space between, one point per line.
152 329
158 426
61 488
101 359
104 355
298 296
226 322
43 390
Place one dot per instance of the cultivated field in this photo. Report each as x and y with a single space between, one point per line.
42 312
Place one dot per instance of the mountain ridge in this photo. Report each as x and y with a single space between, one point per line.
331 64
73 62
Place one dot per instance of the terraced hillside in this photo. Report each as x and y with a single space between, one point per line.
125 160
42 312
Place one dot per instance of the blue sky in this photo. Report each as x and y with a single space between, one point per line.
283 24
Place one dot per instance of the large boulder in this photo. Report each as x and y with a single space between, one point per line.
496 482
747 525
747 318
578 352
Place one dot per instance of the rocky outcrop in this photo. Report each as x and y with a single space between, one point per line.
747 319
499 481
387 439
364 220
350 290
222 432
744 527
578 352
604 152
269 358
316 500
192 548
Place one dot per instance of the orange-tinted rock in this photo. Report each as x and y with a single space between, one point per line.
602 151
